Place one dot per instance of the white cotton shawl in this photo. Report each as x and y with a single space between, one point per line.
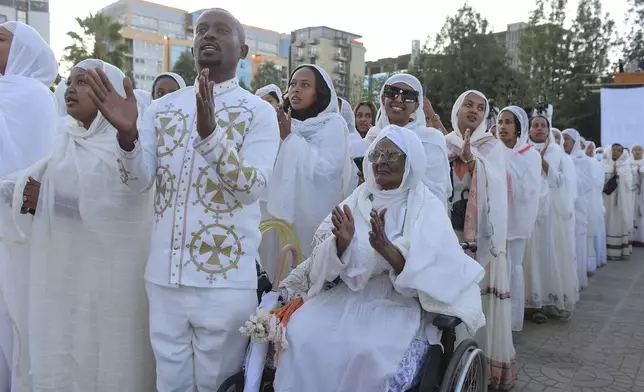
583 173
313 169
433 257
524 181
26 136
624 183
637 186
358 144
437 175
87 249
492 198
271 88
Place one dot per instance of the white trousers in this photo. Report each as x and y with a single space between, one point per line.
516 250
6 349
195 335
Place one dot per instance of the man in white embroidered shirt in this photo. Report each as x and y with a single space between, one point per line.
208 150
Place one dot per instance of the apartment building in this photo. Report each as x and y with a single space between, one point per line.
32 12
339 53
509 39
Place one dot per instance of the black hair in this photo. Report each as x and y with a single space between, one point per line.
517 123
539 116
274 95
164 77
322 98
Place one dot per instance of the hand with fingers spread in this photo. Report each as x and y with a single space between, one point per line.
343 228
121 112
30 196
284 121
205 105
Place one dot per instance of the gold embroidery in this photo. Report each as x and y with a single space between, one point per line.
212 196
215 250
124 173
235 121
172 128
165 189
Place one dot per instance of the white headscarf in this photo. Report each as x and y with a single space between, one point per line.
177 78
358 144
637 162
524 177
28 109
492 185
437 172
576 151
271 88
317 153
143 99
60 97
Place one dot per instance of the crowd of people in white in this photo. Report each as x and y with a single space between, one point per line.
129 223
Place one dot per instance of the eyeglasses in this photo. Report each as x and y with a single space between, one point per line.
407 96
389 155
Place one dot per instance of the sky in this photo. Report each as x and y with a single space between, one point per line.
387 28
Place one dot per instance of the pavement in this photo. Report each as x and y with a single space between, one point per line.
601 349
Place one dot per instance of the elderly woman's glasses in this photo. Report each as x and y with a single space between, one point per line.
388 156
407 96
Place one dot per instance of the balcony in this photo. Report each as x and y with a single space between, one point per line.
313 55
343 57
300 57
299 43
340 70
340 83
312 41
342 42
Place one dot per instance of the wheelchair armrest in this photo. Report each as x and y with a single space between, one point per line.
443 322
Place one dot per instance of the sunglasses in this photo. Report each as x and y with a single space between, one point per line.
407 96
389 155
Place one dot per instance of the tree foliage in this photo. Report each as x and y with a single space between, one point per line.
185 67
464 55
267 73
100 39
634 43
559 63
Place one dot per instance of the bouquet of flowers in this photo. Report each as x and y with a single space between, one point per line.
265 327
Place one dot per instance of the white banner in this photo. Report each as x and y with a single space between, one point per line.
622 112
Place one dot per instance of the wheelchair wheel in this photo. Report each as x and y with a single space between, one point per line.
234 383
467 370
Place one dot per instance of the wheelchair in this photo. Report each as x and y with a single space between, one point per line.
446 368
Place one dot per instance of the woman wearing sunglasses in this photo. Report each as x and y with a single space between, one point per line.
400 100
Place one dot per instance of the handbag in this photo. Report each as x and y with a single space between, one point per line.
457 215
611 185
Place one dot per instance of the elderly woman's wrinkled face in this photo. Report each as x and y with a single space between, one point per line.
507 129
471 113
77 99
164 86
400 102
388 163
302 91
637 152
569 143
616 151
364 119
272 100
590 150
5 45
539 130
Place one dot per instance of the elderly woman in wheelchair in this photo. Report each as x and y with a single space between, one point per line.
384 289
384 263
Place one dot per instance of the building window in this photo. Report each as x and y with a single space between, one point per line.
39 6
8 3
314 51
22 16
300 52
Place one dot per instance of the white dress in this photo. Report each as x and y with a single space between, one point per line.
638 209
619 207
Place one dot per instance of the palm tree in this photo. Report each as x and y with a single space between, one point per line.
101 39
